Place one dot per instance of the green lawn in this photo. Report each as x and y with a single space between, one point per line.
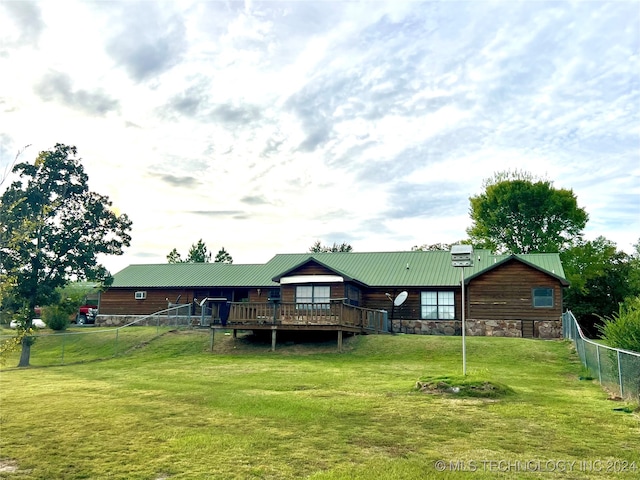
172 410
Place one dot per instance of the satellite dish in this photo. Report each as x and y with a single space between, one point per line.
400 299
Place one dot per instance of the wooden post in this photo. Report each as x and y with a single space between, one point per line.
273 339
235 333
340 341
212 334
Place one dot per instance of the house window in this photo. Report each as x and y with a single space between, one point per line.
437 306
543 297
353 295
312 294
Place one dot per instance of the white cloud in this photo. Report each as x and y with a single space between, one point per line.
263 126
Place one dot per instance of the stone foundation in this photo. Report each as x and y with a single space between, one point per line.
494 328
545 329
548 328
428 327
145 320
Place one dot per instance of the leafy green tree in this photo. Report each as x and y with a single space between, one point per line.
622 328
317 247
52 228
634 274
601 278
55 317
198 253
223 256
174 257
520 214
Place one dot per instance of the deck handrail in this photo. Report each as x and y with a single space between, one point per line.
335 312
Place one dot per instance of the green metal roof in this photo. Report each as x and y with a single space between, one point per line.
193 275
415 268
375 269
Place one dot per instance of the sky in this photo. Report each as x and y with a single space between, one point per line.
262 127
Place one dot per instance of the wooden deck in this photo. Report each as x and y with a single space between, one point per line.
335 316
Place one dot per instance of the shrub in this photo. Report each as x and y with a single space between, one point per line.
55 317
622 329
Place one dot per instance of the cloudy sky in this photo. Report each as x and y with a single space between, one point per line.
264 126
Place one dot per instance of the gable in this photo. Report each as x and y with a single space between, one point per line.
311 270
524 261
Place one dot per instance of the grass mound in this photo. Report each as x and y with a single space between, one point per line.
463 387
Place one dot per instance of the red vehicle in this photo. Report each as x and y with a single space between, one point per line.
87 313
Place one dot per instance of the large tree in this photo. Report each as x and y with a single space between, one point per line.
52 229
518 213
601 277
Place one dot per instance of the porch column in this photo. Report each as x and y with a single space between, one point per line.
273 339
340 341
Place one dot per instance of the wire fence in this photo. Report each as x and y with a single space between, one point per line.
617 370
90 344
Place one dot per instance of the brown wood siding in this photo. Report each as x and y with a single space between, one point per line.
257 295
311 269
506 293
121 301
410 309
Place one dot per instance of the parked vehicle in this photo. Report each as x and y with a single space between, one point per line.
86 314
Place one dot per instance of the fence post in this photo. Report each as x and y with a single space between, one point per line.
599 368
586 357
620 376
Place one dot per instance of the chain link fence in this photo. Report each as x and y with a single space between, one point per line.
91 344
617 370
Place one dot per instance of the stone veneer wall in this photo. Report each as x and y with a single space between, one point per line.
485 328
547 329
476 327
494 328
120 320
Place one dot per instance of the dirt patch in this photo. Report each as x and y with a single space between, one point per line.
463 387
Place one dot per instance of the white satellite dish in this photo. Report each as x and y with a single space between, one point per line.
400 299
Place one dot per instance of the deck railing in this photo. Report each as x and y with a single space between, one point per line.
334 313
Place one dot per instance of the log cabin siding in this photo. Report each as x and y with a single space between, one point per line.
506 292
121 301
411 308
311 269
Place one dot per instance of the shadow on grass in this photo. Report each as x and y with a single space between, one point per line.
287 342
